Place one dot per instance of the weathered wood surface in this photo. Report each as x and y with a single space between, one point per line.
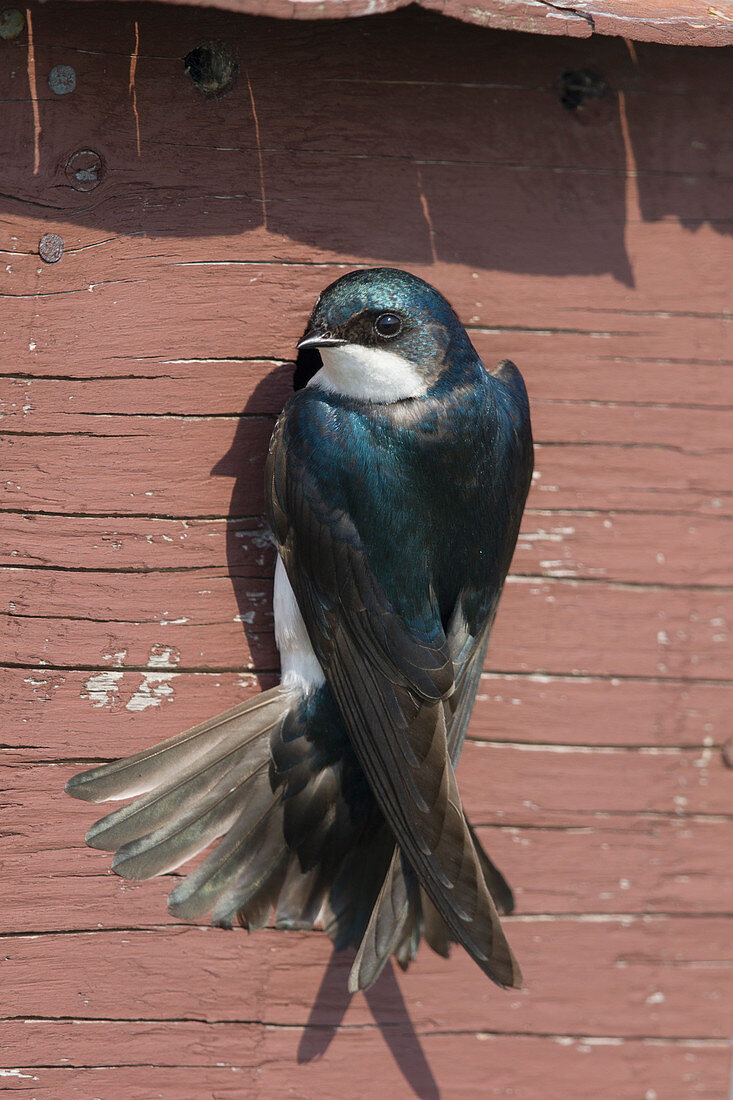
62 713
191 620
209 974
682 22
140 378
644 859
625 547
232 1060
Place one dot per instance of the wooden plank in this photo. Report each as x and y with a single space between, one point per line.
194 620
593 250
610 864
679 23
656 977
218 1058
528 77
196 389
172 467
157 386
119 281
633 548
134 1083
165 471
214 329
69 713
587 711
575 367
134 544
40 406
510 84
514 785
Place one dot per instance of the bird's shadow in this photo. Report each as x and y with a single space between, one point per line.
385 1000
390 1013
249 549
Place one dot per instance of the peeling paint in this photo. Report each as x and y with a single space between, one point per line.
44 684
117 658
102 687
556 535
163 656
154 688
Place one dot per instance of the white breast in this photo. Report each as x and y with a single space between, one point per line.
299 664
371 374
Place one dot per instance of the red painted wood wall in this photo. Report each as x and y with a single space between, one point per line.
141 373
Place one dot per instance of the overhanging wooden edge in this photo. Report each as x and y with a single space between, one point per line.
673 22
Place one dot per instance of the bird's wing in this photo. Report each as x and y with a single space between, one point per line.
388 922
459 707
390 675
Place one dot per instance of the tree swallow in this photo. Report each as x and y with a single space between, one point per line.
395 484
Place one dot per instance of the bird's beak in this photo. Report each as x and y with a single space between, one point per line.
319 339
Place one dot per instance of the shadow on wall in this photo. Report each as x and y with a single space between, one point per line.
398 138
387 1006
242 529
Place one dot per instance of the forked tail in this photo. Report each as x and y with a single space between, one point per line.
276 783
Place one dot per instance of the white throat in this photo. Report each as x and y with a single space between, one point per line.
371 374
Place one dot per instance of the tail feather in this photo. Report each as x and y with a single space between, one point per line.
302 896
196 790
256 912
406 949
186 833
152 768
401 915
276 784
384 930
355 890
212 781
499 888
254 873
234 858
435 930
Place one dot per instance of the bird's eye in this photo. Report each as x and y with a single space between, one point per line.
388 325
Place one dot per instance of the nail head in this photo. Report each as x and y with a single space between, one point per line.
51 248
12 22
62 79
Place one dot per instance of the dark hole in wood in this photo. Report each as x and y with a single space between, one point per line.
581 87
213 68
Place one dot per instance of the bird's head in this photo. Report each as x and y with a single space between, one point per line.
383 335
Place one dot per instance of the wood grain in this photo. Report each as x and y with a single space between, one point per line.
636 548
212 974
192 620
233 1060
140 378
601 863
63 713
